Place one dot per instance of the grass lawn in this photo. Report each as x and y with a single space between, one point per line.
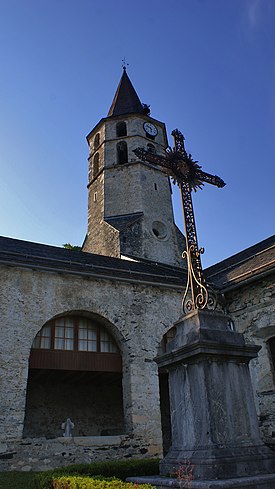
16 480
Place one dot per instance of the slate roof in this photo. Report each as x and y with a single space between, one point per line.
14 252
124 221
126 100
250 264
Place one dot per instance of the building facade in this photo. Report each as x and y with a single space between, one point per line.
80 329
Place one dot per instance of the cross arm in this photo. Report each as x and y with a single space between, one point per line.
208 178
180 168
145 155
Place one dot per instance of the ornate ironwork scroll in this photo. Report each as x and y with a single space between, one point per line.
187 173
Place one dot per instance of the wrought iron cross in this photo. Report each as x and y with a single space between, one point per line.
186 172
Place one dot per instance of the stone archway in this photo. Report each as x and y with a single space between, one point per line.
75 371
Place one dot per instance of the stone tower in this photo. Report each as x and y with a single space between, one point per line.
129 201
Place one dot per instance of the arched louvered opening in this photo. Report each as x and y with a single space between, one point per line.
96 164
121 129
122 153
97 140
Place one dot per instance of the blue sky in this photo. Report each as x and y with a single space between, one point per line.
206 67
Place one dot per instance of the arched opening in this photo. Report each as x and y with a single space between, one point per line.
96 164
75 371
122 153
121 129
97 140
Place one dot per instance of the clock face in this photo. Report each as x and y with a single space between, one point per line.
150 129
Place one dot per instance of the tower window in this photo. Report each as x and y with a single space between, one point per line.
96 164
151 148
97 141
121 129
122 153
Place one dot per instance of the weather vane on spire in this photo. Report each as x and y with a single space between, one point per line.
124 63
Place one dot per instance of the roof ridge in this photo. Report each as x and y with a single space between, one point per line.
229 262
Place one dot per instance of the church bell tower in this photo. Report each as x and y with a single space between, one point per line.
129 201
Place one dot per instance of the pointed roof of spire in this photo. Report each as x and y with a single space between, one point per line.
126 100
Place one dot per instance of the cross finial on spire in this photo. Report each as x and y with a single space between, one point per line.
124 63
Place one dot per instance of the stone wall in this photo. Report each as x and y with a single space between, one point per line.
41 454
137 316
101 238
252 310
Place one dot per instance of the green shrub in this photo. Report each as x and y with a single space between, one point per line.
16 480
120 469
73 482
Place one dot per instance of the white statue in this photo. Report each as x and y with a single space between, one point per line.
68 426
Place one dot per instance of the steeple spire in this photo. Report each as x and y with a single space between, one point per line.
126 100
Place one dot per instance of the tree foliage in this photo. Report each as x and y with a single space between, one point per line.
69 246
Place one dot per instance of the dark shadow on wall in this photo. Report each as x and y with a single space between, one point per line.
93 401
165 411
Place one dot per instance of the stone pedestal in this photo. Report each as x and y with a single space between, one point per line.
213 417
